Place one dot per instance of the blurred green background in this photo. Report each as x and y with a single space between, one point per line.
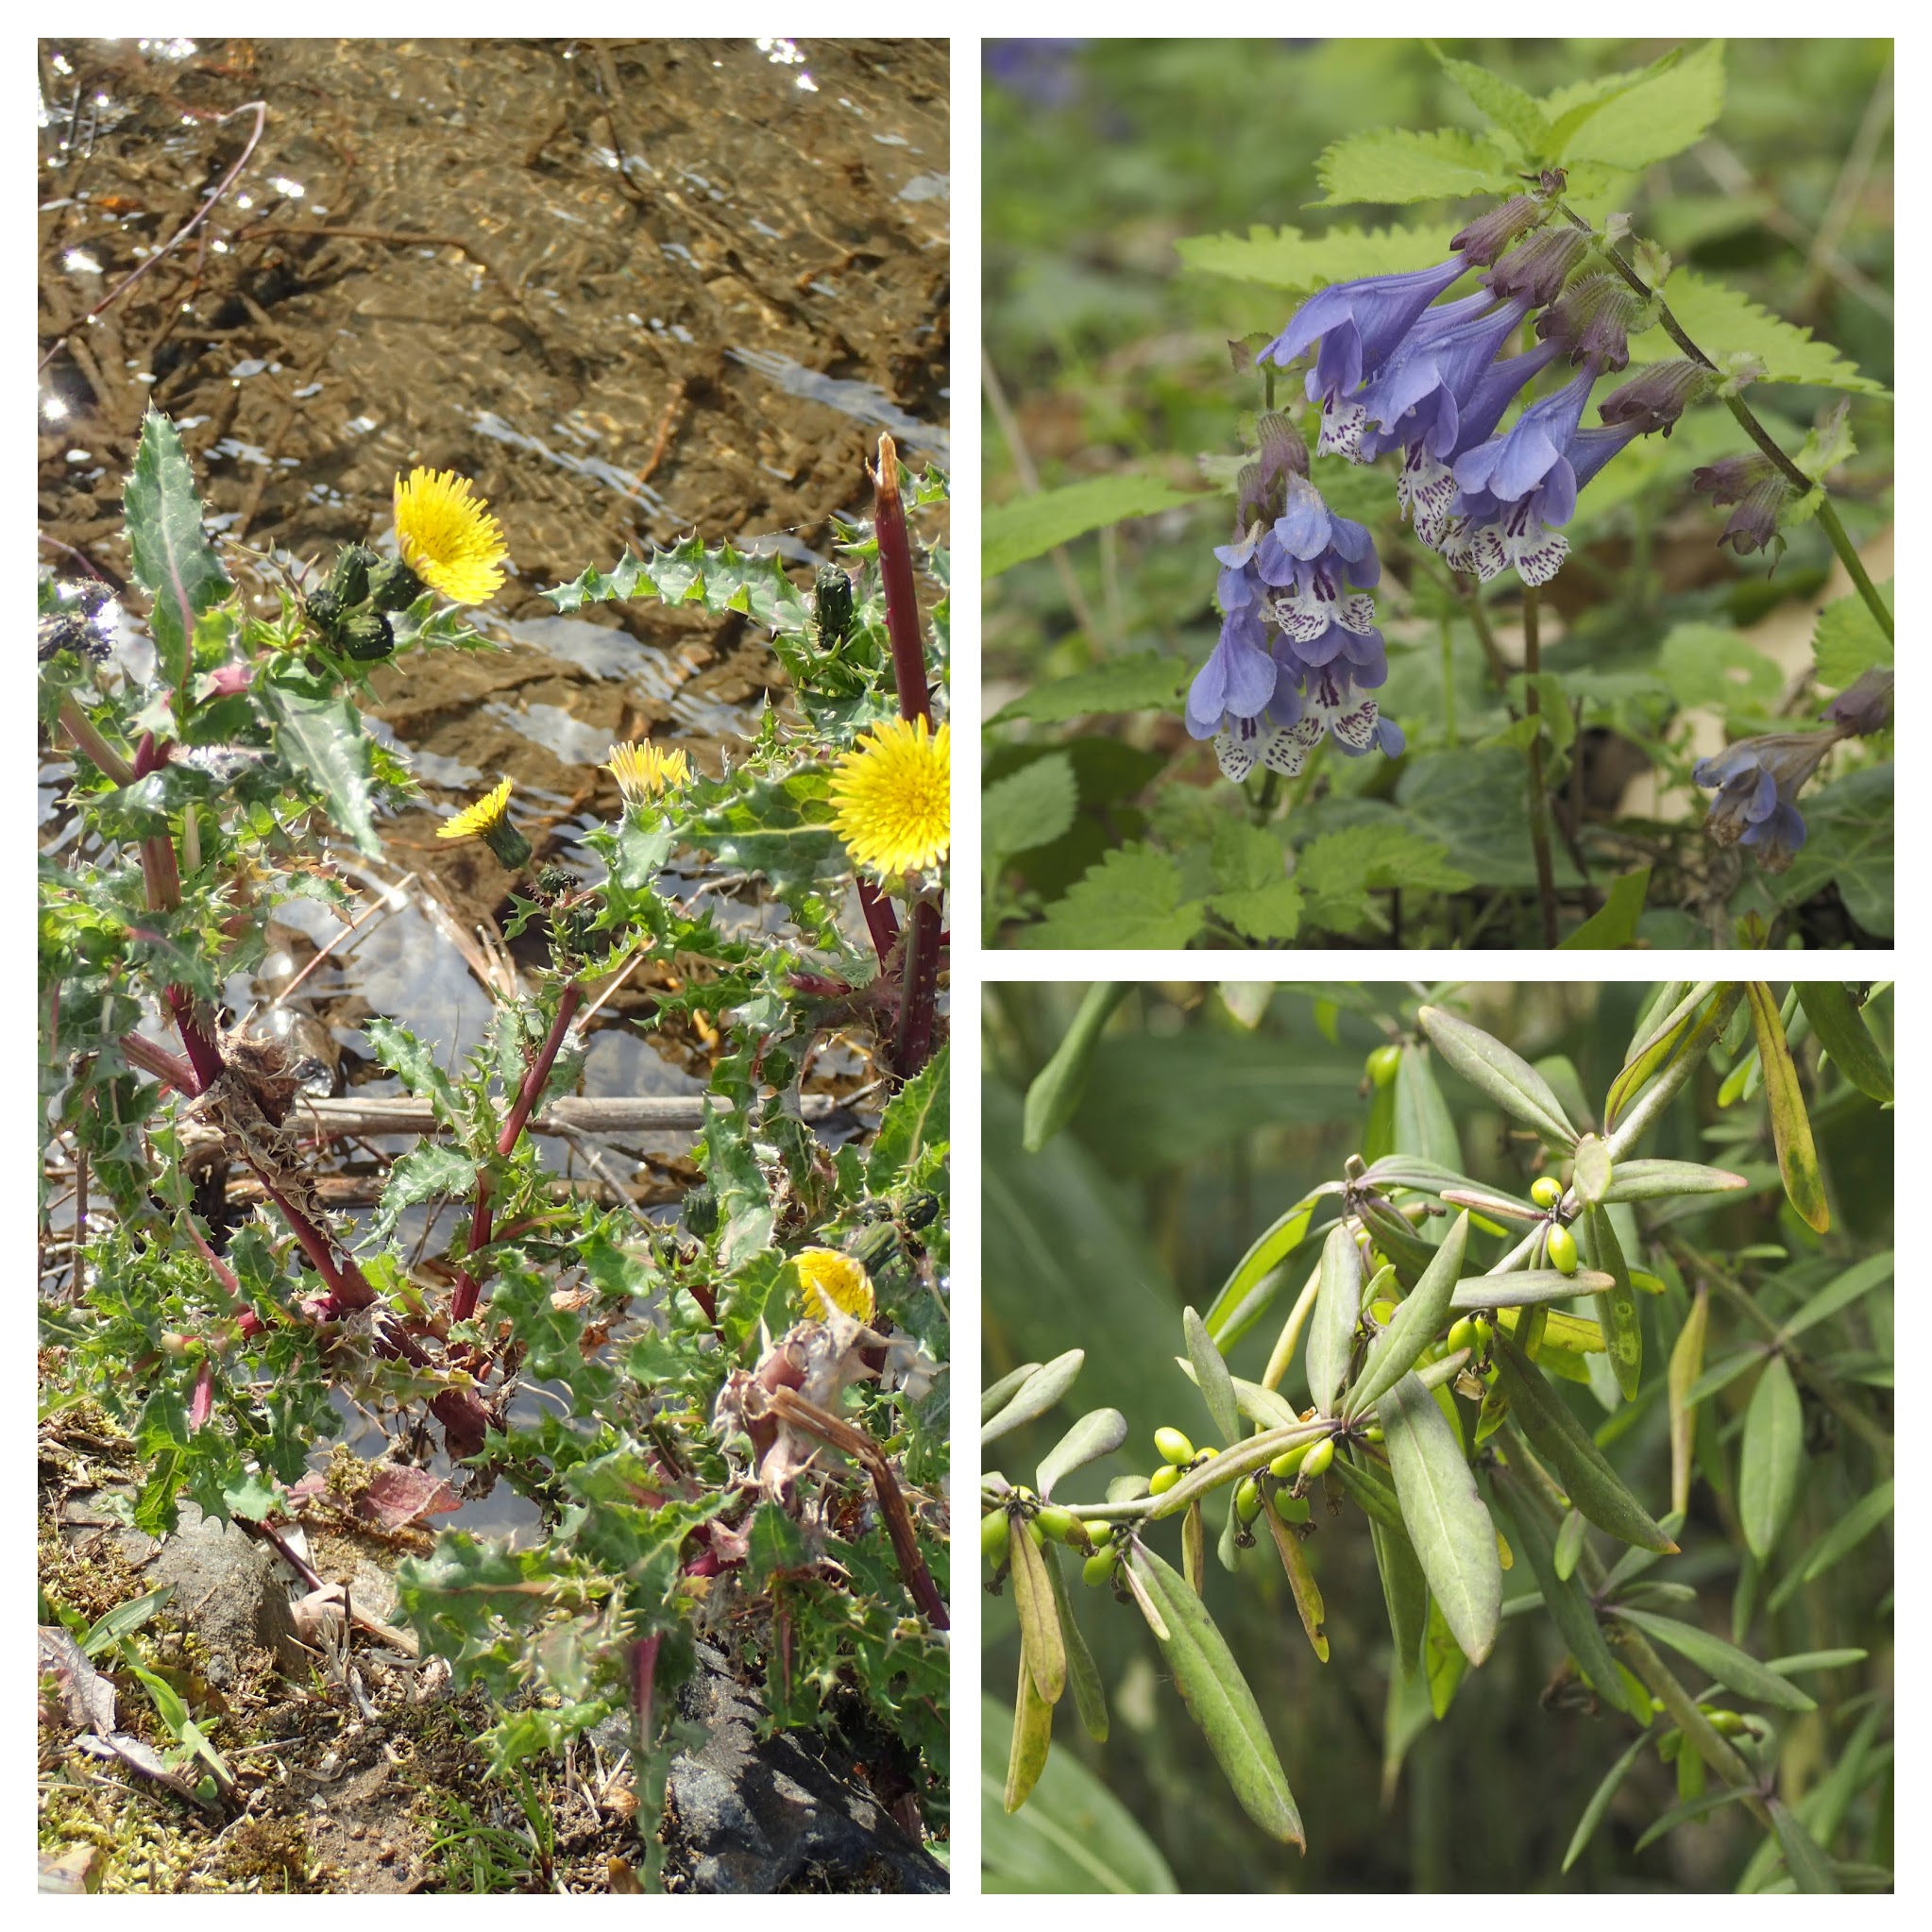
1194 1133
1104 354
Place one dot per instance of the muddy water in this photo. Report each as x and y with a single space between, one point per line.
634 289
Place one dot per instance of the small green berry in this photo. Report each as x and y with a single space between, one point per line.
1024 1494
1038 1534
1546 1189
1100 1534
1097 1568
1725 1724
1291 1509
1174 1446
1382 1064
1287 1462
1247 1499
1485 1333
1562 1248
1318 1458
1462 1334
1163 1479
996 1535
1373 1433
1057 1523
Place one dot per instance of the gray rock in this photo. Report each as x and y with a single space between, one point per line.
776 1814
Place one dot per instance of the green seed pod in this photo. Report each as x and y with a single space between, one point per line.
996 1535
1057 1523
1163 1479
1373 1433
1319 1459
1174 1446
1725 1724
1562 1249
1100 1534
1382 1064
1291 1509
1247 1499
1546 1189
1097 1569
1462 1334
1287 1463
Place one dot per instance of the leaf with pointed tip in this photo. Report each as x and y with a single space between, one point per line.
173 561
1790 1125
1843 1034
1686 1372
1039 1633
1212 1378
1089 1694
1860 1279
1337 1308
1095 1434
1244 1297
1454 1541
1417 1321
1592 1177
1600 1800
1423 1124
1657 1049
1493 1070
1725 1662
1527 1288
1623 1329
1648 1180
1404 1592
1837 1542
993 1400
1308 1596
1217 1696
1032 1739
1811 1869
1036 1396
1772 1459
1593 1486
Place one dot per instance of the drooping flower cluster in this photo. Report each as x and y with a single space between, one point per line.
1394 367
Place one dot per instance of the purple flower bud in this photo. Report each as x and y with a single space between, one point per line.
1754 484
1537 268
1591 319
1864 706
1656 398
1488 235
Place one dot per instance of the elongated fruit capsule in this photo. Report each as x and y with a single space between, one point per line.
1318 1458
1247 1499
1097 1568
1163 1479
996 1535
1562 1249
1174 1446
1057 1523
1288 1461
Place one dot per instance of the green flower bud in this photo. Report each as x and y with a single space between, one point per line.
1382 1064
1546 1191
348 583
1291 1509
367 637
1058 1523
394 586
832 606
996 1535
1319 1459
1562 1249
1163 1479
1288 1461
1100 1534
1174 1446
1247 1499
1462 1334
1097 1568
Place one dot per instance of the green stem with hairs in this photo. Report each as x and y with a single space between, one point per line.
1539 795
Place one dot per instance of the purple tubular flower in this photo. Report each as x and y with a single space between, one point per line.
1488 235
1492 534
1420 391
1310 555
1757 780
1509 466
1238 680
1537 270
1358 324
1335 706
1656 398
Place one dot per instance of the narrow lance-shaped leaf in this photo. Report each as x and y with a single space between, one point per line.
1600 1800
1240 1303
1095 1434
1648 1180
1843 1034
1650 1054
1592 1175
1790 1125
1772 1459
1055 1092
1404 1591
1860 1279
1592 1486
1686 1367
1811 1869
1455 1542
173 559
1492 1069
1730 1666
1623 1332
1089 1694
993 1400
1423 1123
1037 1395
1332 1335
1308 1596
1032 1738
1527 1288
1039 1631
1416 1323
1212 1378
1194 1547
1216 1694
1837 1542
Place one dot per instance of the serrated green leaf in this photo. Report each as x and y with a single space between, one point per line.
1771 1459
1032 526
1252 890
1707 664
1725 1662
780 827
429 1171
173 559
1338 870
1144 682
1130 901
1848 640
1502 101
414 1063
1391 165
1722 321
1454 1541
1284 257
1031 807
917 1118
1850 848
320 733
1654 115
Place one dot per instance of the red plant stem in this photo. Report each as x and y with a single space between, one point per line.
176 1072
202 1051
895 575
919 1001
880 920
469 1288
535 1080
643 1677
107 760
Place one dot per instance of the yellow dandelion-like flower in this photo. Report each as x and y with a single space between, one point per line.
894 794
643 771
488 818
831 1281
447 536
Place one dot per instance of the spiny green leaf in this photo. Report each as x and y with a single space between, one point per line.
320 733
173 561
1848 639
1636 119
1722 320
917 1118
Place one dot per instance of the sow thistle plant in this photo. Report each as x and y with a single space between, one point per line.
1435 1333
748 1422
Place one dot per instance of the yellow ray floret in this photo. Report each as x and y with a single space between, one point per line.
893 791
830 1280
473 820
447 536
643 771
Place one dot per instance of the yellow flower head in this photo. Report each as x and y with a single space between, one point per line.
473 820
831 1281
894 794
643 771
447 536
